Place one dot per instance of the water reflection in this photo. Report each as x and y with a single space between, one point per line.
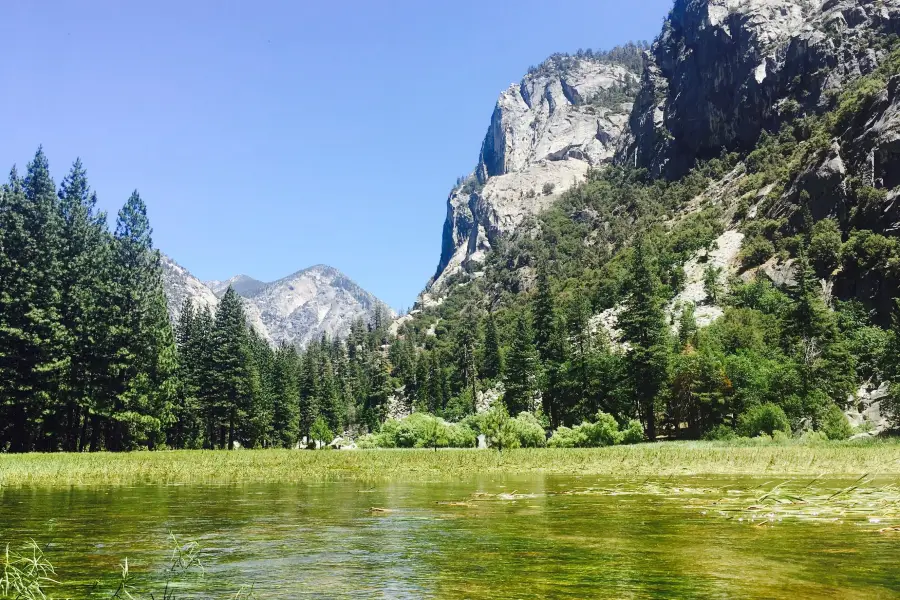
490 537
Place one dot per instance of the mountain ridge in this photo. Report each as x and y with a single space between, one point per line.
295 309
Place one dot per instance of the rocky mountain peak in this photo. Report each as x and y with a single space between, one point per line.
294 309
722 71
244 285
563 118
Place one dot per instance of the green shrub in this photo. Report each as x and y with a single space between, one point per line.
825 247
529 430
835 424
720 432
602 432
461 435
320 432
565 437
633 433
420 430
813 437
763 419
756 251
498 429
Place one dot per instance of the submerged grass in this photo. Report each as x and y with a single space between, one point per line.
291 466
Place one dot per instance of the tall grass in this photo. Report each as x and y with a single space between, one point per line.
292 466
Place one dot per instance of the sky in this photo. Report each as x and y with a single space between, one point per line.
266 137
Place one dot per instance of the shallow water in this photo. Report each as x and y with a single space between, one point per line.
532 537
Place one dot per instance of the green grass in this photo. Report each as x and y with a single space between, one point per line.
291 466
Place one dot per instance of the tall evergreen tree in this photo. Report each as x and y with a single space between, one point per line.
644 326
544 312
85 290
521 367
136 411
578 314
232 373
33 339
309 391
492 366
286 393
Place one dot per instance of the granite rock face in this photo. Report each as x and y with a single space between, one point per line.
546 131
180 285
722 71
296 309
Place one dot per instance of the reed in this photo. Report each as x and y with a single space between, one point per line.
293 466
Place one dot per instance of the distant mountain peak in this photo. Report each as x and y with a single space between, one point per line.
295 309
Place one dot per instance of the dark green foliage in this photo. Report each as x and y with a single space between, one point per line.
645 329
835 424
763 419
521 368
492 364
825 247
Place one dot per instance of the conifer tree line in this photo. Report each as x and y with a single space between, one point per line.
90 361
87 355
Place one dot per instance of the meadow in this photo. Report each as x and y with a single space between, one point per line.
664 459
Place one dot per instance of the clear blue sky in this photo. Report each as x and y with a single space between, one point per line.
266 137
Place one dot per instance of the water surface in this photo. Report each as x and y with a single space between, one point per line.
529 537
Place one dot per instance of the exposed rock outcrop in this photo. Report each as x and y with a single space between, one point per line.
180 285
721 71
296 309
545 133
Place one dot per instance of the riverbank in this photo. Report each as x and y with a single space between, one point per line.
292 466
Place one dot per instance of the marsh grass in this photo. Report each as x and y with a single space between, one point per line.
25 574
863 502
290 466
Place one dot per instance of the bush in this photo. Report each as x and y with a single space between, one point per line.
763 419
420 430
498 428
633 433
720 432
825 247
548 188
602 432
756 251
529 430
320 431
813 437
565 437
835 424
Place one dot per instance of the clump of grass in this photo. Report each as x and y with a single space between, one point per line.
25 574
759 457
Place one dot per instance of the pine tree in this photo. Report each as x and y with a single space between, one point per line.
84 286
826 368
687 325
137 408
286 393
578 314
521 368
492 366
309 391
644 326
33 339
544 312
554 386
466 342
231 374
187 429
436 398
259 429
